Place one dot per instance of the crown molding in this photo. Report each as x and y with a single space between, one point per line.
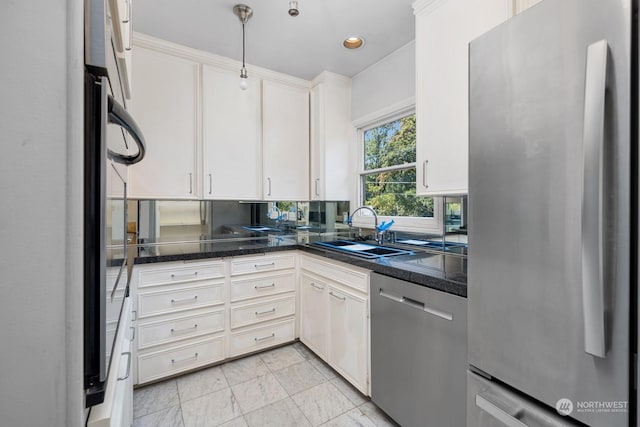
328 75
206 58
399 107
425 7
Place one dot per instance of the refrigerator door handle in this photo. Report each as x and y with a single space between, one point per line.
497 413
592 200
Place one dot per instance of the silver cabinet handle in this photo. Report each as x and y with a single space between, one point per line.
178 331
273 335
424 174
190 183
130 28
416 304
317 181
269 181
128 18
174 361
320 288
183 276
210 184
133 333
179 301
269 264
337 296
497 413
592 197
273 285
260 313
128 354
134 315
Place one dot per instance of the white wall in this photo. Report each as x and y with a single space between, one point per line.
40 218
387 82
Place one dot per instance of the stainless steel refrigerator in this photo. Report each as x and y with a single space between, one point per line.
551 285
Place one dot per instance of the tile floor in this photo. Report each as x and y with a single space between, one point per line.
287 386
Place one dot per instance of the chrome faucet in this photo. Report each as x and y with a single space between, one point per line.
378 236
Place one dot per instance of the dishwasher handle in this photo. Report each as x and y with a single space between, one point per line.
413 303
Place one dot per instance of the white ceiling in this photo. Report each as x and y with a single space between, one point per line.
302 46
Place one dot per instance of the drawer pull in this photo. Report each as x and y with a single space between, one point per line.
268 264
273 285
177 331
128 354
184 276
273 335
320 288
337 296
133 333
260 313
195 356
187 300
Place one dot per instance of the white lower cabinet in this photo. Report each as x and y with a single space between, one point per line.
258 338
117 408
263 302
181 317
194 314
313 313
348 332
334 319
179 358
190 315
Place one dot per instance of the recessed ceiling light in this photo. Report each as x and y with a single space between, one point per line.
353 42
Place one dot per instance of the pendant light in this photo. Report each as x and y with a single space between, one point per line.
243 12
293 8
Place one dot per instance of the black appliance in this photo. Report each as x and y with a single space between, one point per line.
110 134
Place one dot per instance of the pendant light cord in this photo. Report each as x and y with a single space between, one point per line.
243 45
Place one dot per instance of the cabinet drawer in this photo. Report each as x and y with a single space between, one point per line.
166 331
263 263
260 285
262 337
175 300
163 363
259 312
357 278
180 273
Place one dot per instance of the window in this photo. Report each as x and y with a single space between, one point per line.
388 177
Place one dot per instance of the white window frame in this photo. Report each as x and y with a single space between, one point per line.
364 218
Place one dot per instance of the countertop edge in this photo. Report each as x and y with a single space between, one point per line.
423 279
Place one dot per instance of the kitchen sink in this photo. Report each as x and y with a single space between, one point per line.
363 250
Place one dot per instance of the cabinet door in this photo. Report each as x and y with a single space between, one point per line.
443 34
164 106
285 141
348 336
232 164
313 313
331 133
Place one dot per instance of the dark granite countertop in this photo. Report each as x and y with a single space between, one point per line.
436 270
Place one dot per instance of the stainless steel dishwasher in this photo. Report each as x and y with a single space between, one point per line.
418 353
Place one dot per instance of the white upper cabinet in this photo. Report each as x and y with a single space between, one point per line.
232 161
331 132
444 29
285 141
166 109
122 24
